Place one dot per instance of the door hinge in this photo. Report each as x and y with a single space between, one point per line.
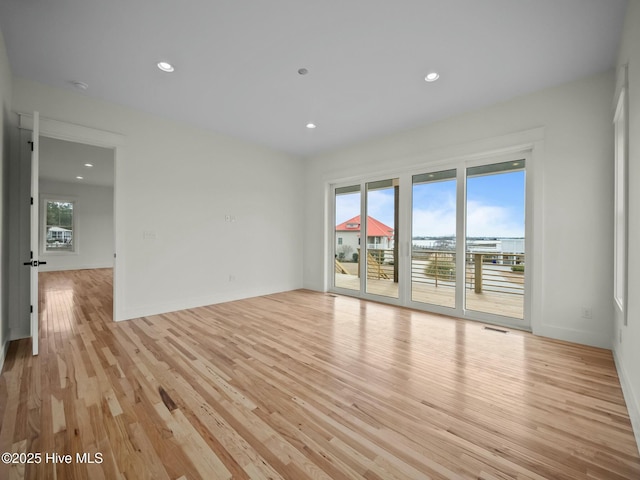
31 308
31 144
31 200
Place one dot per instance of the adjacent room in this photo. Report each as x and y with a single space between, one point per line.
320 240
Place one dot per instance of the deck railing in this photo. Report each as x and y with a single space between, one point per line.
501 272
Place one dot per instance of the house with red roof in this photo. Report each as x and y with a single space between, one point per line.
348 234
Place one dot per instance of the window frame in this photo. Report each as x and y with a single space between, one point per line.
621 192
45 200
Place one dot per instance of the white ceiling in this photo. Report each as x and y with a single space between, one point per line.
63 161
236 61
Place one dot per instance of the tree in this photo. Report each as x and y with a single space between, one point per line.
344 251
60 214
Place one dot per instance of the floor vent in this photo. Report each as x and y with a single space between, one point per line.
494 329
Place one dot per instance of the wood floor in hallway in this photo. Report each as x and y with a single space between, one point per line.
302 385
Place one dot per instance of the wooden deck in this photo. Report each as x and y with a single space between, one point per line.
490 302
303 385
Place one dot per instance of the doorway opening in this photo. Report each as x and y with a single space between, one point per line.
76 231
406 233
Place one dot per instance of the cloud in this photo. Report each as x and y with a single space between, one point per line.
435 222
483 220
493 221
439 219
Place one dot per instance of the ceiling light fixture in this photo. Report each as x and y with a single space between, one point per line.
311 126
432 77
88 165
79 177
166 67
302 71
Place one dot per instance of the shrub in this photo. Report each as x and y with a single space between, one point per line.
355 257
517 268
443 267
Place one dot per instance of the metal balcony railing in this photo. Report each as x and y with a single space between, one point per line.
501 272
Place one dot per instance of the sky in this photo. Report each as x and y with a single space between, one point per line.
495 206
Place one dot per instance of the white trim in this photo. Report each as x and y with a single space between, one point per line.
631 399
194 302
593 339
100 138
530 145
478 149
3 354
71 132
91 266
44 199
621 206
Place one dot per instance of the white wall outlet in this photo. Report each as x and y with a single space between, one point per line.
232 278
148 235
587 312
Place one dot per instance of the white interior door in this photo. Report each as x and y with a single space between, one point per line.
35 168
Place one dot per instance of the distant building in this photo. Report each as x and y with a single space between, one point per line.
379 236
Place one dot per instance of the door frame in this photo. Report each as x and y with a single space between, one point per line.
70 132
528 144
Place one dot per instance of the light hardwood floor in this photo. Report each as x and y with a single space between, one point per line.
304 385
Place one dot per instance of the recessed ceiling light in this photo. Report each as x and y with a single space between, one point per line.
166 67
89 165
516 164
311 125
303 71
79 177
432 77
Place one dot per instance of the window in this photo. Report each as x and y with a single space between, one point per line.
465 228
620 205
339 240
59 226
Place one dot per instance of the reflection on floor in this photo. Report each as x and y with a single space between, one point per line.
491 302
302 385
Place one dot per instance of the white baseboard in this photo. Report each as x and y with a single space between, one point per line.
582 337
50 268
184 304
630 398
3 354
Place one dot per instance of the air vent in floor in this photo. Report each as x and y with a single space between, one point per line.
494 329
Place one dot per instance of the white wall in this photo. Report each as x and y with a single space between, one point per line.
93 237
575 205
177 183
5 127
628 351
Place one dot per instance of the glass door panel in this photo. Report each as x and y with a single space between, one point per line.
381 241
495 239
433 251
347 238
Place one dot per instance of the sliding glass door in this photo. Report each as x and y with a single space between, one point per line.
347 238
433 250
381 246
398 240
495 239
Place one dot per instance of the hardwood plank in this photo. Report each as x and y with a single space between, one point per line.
303 385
